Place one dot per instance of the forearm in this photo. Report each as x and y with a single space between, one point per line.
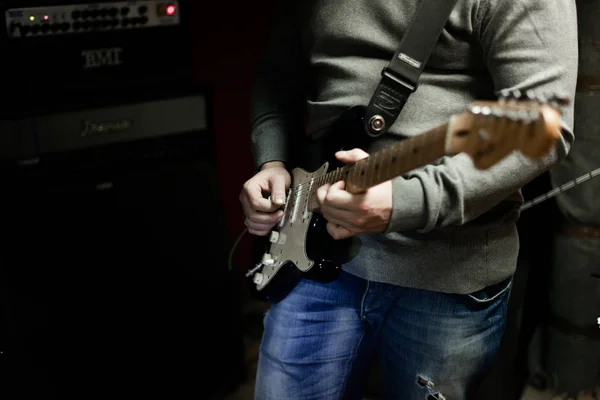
527 46
278 94
454 192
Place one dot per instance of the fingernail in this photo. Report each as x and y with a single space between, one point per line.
278 200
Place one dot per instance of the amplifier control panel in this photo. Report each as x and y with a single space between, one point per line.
82 18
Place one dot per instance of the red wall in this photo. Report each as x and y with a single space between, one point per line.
229 38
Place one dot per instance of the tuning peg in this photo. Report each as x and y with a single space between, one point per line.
530 94
534 115
559 100
481 110
542 98
510 95
498 112
504 94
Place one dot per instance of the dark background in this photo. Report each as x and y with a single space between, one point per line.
114 279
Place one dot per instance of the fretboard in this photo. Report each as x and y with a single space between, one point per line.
385 164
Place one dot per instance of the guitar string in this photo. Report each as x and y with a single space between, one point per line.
307 192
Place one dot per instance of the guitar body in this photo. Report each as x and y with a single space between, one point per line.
308 251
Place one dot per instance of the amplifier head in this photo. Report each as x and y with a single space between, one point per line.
74 52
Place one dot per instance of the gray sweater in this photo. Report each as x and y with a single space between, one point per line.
453 227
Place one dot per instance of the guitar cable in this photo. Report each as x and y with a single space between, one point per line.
525 206
561 189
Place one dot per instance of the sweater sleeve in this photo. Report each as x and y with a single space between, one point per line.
277 105
527 45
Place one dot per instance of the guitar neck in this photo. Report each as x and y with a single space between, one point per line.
386 164
487 131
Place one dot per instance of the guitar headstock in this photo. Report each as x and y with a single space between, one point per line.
490 130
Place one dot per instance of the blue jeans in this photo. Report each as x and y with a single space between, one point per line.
320 341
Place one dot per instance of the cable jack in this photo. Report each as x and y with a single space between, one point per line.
254 270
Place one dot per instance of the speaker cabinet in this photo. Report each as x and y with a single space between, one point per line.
114 280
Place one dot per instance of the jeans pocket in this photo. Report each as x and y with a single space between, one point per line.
490 293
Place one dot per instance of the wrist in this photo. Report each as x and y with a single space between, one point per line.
272 164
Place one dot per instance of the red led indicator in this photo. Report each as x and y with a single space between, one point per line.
46 18
171 10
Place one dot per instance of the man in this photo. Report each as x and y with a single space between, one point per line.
428 290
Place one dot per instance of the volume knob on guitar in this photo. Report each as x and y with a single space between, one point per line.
258 278
277 237
267 259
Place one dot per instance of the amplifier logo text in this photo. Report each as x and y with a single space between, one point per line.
100 58
91 128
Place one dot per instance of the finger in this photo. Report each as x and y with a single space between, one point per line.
338 232
260 217
351 155
258 229
269 219
253 200
337 197
278 190
322 193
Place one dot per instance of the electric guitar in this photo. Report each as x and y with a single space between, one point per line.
300 247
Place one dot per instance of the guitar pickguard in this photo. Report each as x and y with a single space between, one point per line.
288 241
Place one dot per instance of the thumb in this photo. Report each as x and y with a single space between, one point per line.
278 190
351 155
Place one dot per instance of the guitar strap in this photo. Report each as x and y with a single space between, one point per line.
400 78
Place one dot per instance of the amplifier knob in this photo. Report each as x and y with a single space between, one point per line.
113 12
76 14
143 10
35 29
45 28
125 11
85 14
